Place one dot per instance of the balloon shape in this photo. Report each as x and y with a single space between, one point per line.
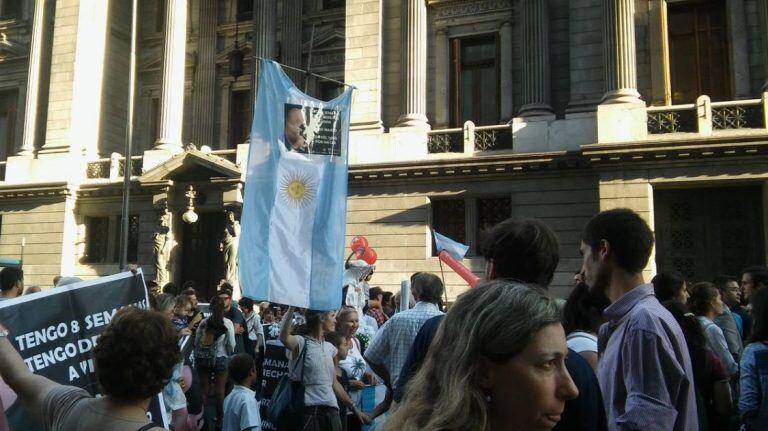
358 242
369 255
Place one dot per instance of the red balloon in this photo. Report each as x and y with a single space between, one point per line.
358 242
369 255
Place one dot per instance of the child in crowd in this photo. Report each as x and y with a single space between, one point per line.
254 333
241 411
181 312
340 342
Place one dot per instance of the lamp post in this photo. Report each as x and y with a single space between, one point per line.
127 165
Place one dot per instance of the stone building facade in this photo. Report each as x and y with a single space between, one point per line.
466 112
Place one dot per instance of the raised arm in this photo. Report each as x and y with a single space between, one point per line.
289 341
30 388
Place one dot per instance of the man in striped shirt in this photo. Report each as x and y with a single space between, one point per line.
644 368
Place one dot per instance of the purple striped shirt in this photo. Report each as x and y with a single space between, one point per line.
644 369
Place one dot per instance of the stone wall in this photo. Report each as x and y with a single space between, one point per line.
395 218
40 222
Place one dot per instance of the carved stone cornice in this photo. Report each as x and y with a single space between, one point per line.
36 190
666 150
460 8
472 167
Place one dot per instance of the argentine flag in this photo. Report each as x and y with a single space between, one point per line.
295 197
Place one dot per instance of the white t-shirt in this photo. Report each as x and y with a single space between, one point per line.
580 341
319 374
355 367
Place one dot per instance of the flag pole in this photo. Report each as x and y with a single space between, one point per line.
127 165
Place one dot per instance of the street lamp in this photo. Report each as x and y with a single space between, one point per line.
190 216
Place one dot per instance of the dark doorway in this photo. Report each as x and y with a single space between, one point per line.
201 259
702 233
698 50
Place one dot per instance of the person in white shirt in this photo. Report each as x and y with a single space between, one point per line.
254 332
387 351
241 411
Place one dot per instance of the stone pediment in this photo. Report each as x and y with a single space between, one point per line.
329 39
191 165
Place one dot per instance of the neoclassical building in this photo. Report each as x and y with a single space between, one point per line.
466 112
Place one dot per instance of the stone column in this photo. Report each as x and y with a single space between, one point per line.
33 80
205 79
619 51
505 84
536 75
442 78
172 96
413 102
291 50
263 40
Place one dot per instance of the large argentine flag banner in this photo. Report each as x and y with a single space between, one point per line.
295 199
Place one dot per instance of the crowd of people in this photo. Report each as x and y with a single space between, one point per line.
618 354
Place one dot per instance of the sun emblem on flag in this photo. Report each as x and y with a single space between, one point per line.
298 188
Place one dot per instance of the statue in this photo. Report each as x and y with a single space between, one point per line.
229 245
162 245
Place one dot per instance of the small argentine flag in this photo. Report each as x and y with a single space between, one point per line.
295 196
457 250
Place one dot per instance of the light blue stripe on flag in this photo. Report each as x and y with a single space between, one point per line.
457 250
294 210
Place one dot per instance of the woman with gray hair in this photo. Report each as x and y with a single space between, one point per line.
496 363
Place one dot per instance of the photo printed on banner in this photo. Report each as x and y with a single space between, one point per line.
312 130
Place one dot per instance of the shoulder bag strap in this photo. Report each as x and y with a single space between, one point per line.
302 356
147 427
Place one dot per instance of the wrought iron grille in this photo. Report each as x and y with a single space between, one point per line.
493 139
445 142
448 218
671 122
136 167
490 212
737 117
99 169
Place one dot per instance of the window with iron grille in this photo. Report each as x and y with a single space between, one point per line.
133 238
96 237
241 117
244 10
467 220
10 9
8 112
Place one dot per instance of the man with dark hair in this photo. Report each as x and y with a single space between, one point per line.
645 370
375 308
527 250
233 314
11 282
522 249
387 351
241 411
171 289
728 321
134 358
752 279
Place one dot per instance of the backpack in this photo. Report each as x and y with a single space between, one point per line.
205 356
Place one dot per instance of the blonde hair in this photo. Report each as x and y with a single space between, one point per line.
496 321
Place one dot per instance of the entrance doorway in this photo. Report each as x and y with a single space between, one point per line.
702 233
201 259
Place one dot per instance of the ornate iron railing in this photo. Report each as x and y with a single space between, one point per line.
98 169
445 141
738 114
470 138
493 138
113 167
672 119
